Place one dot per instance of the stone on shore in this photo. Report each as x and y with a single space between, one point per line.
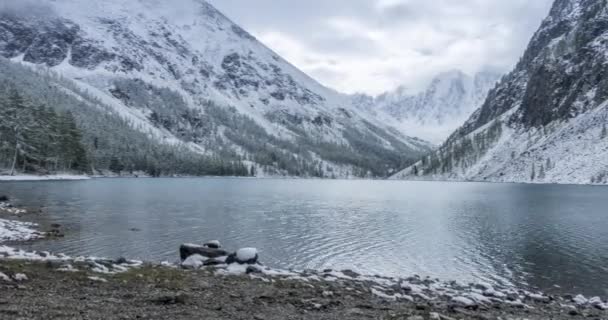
580 300
213 244
20 277
3 198
244 256
186 250
194 261
4 277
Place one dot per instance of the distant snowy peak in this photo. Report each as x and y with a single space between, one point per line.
432 114
449 94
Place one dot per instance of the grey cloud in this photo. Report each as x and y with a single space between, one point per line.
421 37
26 7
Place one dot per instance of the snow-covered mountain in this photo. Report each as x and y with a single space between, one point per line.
545 121
183 73
447 102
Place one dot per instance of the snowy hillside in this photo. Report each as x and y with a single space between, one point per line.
183 76
546 121
434 113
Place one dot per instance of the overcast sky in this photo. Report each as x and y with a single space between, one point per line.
377 45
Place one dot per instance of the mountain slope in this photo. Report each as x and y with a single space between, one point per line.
546 120
183 73
434 113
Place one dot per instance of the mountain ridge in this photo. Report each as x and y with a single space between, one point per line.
137 57
545 122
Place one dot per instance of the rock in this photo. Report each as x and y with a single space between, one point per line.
213 244
595 300
415 318
121 260
20 277
213 262
597 303
573 312
98 279
464 302
54 233
194 261
172 299
580 300
434 316
494 293
350 273
4 277
186 250
483 286
246 256
253 270
539 298
3 199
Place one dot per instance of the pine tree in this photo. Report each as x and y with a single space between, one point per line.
16 124
604 134
533 175
541 172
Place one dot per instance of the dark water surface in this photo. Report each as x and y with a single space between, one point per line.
550 237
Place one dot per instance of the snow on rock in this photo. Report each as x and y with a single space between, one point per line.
384 296
4 277
194 261
20 277
97 279
598 303
214 244
580 300
233 269
539 297
247 255
463 301
188 249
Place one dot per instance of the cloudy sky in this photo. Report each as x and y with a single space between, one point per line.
377 45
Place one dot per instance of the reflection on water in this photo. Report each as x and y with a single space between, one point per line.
551 237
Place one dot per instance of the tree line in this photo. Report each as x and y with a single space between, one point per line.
39 139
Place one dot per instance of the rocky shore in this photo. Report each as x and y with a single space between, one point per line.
210 282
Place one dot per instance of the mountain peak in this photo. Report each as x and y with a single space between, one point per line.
434 113
544 121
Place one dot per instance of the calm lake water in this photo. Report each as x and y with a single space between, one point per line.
554 238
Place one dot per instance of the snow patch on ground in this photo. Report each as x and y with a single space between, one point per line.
18 231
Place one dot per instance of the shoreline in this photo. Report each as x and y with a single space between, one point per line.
58 177
171 291
331 291
68 177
